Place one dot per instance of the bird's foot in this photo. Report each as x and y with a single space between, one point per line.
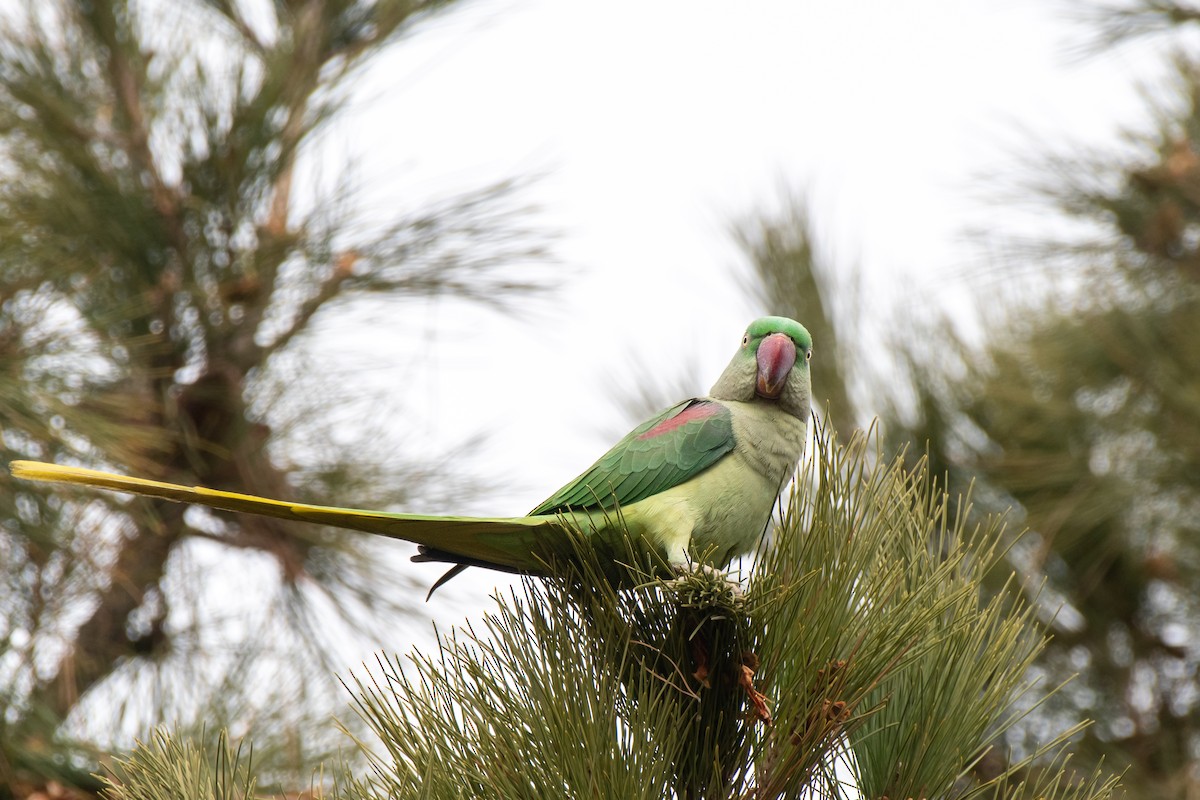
701 585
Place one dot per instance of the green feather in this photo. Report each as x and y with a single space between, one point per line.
638 466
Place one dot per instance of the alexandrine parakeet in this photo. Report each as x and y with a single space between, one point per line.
699 480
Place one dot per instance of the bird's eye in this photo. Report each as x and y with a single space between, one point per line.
808 355
745 340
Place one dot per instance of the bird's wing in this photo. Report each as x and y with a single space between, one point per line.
505 542
664 452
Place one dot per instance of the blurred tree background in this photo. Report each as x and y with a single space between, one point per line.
158 276
1077 406
1080 409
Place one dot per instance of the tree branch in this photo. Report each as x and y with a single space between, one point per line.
330 288
126 83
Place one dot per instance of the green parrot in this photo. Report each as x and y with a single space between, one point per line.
697 481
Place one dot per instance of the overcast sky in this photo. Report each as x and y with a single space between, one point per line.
654 124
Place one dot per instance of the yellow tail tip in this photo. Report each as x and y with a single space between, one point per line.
54 473
34 470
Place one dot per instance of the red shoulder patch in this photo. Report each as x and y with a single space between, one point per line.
692 413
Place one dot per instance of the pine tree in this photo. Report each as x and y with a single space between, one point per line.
158 274
862 661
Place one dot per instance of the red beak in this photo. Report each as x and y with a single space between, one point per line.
776 356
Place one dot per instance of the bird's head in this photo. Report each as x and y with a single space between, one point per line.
771 364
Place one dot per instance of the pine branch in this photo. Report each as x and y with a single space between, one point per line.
232 12
874 649
127 82
327 290
166 767
1118 23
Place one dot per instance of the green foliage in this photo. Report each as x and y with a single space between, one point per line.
862 628
861 662
533 707
169 767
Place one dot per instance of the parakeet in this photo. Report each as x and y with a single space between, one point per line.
697 481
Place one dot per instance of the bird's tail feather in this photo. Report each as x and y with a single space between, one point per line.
506 543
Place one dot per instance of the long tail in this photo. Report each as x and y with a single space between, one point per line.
507 542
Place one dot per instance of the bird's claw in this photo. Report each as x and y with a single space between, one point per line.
700 582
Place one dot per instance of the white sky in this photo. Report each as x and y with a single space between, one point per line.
655 124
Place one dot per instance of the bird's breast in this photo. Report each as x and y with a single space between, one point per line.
724 510
769 440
